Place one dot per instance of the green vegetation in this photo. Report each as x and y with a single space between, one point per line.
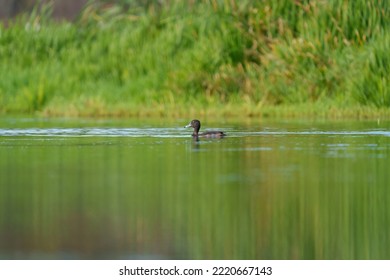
247 58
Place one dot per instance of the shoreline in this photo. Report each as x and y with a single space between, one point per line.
225 111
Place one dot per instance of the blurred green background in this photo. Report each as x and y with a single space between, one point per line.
209 57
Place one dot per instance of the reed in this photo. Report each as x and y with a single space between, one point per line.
209 54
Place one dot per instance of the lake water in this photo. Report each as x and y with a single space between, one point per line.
144 189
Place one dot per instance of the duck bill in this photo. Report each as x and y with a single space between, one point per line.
189 125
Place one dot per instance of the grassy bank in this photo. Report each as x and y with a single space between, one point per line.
225 58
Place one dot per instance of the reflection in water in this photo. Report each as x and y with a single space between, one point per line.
248 196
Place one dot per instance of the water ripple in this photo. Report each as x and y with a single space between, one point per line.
318 132
87 132
169 132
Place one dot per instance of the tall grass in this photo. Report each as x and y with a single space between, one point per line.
184 56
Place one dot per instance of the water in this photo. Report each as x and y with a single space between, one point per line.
143 189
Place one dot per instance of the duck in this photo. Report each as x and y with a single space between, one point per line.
195 124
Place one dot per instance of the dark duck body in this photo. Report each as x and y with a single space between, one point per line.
195 124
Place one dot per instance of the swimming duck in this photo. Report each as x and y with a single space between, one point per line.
195 124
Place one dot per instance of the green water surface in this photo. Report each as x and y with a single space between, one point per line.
132 190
